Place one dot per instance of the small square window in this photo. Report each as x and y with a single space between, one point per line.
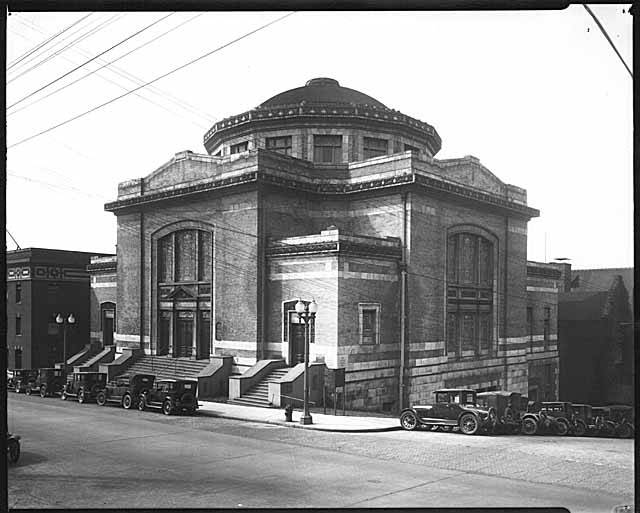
18 292
374 147
18 325
279 144
327 148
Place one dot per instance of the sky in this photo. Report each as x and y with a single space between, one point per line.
540 97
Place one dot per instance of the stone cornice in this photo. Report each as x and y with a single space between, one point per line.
330 112
328 187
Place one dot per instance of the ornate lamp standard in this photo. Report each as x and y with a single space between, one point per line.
69 321
307 314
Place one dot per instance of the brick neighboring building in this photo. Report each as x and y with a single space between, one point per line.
40 284
418 265
595 324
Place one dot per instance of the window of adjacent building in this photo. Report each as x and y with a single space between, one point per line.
18 325
280 144
374 147
547 324
408 147
240 147
327 148
18 292
530 326
469 320
18 358
369 323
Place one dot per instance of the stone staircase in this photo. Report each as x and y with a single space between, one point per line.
163 367
257 395
81 357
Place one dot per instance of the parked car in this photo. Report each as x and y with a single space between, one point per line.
583 420
13 448
604 425
85 386
562 413
453 408
18 379
48 382
535 421
507 407
125 390
170 395
622 416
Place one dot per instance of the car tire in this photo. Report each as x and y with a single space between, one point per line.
101 399
580 428
142 403
81 397
127 401
63 396
561 427
408 421
43 391
469 424
13 450
167 408
624 431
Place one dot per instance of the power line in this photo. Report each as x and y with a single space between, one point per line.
13 239
607 36
91 60
45 42
151 81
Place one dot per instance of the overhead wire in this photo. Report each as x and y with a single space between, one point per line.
604 32
26 54
193 61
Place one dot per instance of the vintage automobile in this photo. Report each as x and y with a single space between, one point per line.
602 420
454 407
125 390
507 407
562 413
622 416
171 396
84 386
583 420
13 448
48 381
534 420
18 379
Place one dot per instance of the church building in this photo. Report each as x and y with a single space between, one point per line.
418 265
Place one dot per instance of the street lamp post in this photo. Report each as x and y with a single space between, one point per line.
307 314
61 321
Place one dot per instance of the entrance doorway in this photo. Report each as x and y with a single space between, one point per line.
184 334
164 333
108 321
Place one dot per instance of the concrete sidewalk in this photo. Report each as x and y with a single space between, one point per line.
321 422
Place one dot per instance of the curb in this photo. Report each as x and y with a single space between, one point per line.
299 426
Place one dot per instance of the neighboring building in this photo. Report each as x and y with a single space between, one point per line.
595 324
418 265
103 297
40 284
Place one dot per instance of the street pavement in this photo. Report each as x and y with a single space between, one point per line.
86 456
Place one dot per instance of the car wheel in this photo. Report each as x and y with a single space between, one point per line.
63 396
43 391
408 421
142 403
167 409
13 447
624 431
127 401
561 427
81 397
101 399
580 428
469 424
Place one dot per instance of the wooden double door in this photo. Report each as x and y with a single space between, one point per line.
184 332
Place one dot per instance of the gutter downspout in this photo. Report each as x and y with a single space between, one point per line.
403 301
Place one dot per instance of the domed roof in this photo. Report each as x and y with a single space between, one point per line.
321 91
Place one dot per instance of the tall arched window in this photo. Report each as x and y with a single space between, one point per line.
470 273
184 293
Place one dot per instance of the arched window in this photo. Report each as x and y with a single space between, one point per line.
184 283
470 274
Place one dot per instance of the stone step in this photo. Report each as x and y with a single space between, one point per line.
250 402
